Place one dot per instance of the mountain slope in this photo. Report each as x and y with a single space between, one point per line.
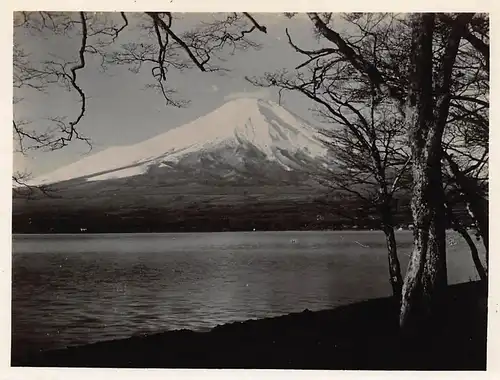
247 138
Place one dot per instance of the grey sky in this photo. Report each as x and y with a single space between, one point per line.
121 112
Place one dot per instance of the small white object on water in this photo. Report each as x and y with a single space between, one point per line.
293 241
364 246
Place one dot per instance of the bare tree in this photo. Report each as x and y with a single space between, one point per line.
367 137
466 138
428 85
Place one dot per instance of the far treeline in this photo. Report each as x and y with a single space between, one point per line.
298 215
409 92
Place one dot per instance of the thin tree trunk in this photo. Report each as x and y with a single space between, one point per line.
478 210
477 205
473 250
457 226
395 277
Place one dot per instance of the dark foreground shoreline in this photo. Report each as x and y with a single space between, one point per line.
361 336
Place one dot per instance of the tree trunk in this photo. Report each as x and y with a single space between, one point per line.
477 205
428 101
478 210
395 277
426 276
473 250
394 266
457 226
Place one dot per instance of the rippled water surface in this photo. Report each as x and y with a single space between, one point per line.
75 289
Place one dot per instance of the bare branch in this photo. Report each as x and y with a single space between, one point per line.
118 31
359 62
158 21
402 171
22 189
470 99
262 28
479 45
444 76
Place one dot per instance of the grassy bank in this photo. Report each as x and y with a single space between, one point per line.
364 335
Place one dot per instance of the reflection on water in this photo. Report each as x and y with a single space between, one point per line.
76 289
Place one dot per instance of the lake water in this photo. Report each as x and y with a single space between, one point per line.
76 289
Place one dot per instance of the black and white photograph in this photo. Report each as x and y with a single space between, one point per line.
250 190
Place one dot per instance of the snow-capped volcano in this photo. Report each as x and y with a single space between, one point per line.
240 135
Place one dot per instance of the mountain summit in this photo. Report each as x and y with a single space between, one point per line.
243 137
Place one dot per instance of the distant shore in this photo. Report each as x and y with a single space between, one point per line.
196 232
362 335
